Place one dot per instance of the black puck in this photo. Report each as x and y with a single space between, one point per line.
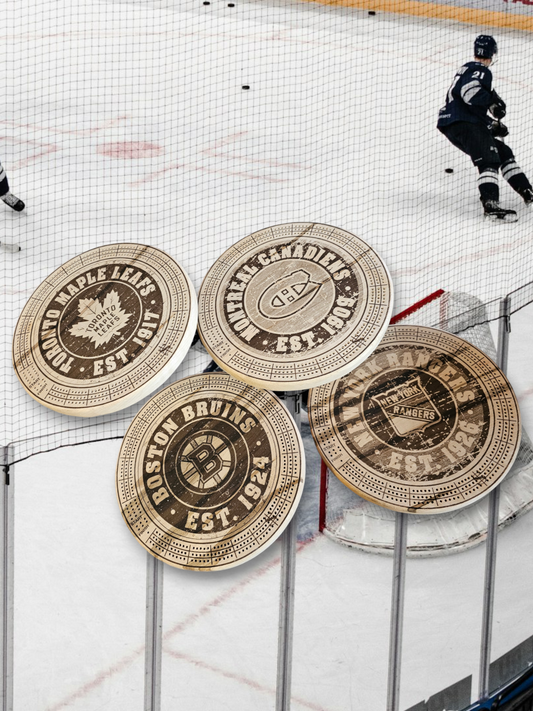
207 3
448 170
371 12
245 86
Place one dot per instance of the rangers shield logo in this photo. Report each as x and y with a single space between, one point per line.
408 407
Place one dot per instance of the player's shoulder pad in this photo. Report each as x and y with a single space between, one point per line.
480 71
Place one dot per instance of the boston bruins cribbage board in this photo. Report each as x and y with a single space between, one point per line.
105 329
294 306
427 424
210 472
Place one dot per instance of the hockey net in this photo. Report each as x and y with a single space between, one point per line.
351 520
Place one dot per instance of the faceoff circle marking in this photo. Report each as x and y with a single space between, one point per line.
210 472
105 329
427 424
294 306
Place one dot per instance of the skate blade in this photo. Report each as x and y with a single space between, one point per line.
10 247
504 218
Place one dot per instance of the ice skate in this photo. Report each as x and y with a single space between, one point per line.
527 197
13 201
495 212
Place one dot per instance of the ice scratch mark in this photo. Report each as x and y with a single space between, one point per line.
241 679
85 689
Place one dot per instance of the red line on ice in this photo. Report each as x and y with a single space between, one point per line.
216 153
81 132
185 166
472 257
241 679
126 661
46 149
525 394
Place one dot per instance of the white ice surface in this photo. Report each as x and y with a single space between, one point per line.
79 613
337 127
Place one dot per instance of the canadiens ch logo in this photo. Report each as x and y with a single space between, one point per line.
408 407
294 305
288 295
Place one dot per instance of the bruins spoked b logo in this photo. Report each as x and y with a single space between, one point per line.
105 329
210 472
205 461
294 305
428 423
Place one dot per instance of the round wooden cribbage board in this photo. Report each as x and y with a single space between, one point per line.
210 472
427 424
294 306
105 329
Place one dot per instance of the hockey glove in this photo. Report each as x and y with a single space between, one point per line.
497 106
498 129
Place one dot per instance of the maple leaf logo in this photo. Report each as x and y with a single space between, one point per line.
100 321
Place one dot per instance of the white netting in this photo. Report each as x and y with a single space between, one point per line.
188 125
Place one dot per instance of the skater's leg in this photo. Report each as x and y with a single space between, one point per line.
6 196
513 174
4 185
476 141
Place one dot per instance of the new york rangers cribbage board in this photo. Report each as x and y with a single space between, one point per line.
210 472
105 329
294 306
427 424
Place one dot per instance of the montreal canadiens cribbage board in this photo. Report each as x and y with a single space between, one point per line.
105 329
427 424
294 306
210 472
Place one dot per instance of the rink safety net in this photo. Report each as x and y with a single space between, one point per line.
188 125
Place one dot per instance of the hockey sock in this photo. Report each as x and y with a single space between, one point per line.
515 177
488 184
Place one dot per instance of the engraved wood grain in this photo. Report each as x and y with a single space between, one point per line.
294 306
427 424
210 472
105 329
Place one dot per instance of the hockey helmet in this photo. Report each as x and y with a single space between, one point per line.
485 47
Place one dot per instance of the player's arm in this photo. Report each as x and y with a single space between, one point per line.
497 106
476 87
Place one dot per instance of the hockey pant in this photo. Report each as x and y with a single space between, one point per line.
489 155
4 185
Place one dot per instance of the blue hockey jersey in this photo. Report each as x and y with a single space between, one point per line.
469 96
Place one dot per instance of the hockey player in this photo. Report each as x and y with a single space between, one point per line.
12 200
465 121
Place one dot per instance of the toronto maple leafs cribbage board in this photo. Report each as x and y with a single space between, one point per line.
427 424
294 306
210 472
105 329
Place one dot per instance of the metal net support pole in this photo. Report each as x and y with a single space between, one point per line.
7 571
492 525
286 599
396 626
154 637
